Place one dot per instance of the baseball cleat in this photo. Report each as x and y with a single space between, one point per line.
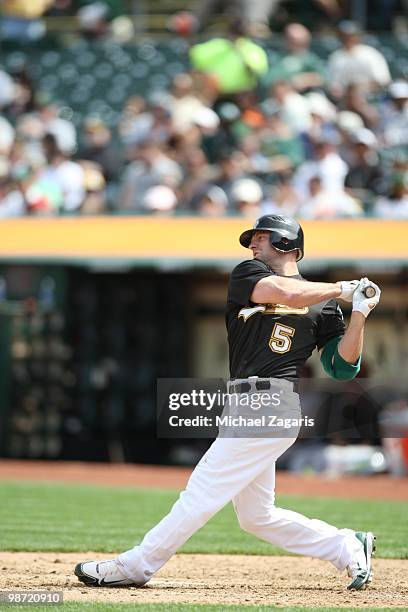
102 573
360 567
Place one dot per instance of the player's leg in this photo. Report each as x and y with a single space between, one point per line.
228 466
257 514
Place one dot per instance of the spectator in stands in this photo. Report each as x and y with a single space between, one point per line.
347 124
147 121
356 63
184 102
31 129
233 165
98 148
280 144
52 123
258 162
394 116
62 8
95 201
134 123
213 202
104 19
246 197
294 108
11 200
217 129
323 116
236 63
328 166
365 173
42 193
283 200
255 13
210 131
355 100
152 166
20 20
67 174
93 20
299 65
323 203
8 90
198 175
207 132
395 204
159 200
333 9
7 134
26 99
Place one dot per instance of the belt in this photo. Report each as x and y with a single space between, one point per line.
259 384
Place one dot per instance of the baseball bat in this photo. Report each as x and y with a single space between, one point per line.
369 292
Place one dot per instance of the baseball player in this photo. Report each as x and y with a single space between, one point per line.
275 319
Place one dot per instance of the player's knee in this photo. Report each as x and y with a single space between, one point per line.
202 507
251 520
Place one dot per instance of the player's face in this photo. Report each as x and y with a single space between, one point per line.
261 247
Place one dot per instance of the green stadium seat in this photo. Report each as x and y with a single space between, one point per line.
50 59
68 73
103 71
15 60
80 97
140 70
175 68
86 60
147 52
50 83
159 81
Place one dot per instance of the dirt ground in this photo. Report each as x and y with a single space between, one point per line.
216 579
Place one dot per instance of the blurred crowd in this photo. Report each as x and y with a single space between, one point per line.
24 20
236 134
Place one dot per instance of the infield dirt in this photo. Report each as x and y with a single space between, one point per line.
215 579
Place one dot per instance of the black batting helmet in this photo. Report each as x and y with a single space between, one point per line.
285 234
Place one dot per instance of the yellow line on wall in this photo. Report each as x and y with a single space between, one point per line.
190 238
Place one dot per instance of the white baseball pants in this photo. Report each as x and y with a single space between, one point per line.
241 470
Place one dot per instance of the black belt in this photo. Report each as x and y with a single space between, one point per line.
259 385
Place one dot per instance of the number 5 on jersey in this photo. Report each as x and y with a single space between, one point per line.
281 338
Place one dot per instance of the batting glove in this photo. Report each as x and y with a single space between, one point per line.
347 290
364 304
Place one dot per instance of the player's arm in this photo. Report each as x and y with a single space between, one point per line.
299 293
341 356
350 346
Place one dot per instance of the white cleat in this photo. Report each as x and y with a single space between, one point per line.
360 567
102 573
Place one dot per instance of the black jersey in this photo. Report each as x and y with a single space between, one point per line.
273 340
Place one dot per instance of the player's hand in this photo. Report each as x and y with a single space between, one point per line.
364 304
347 290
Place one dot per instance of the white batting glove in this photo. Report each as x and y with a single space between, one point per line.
364 304
347 290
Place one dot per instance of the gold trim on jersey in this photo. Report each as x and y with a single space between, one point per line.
266 309
282 309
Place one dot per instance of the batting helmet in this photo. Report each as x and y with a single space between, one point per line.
285 234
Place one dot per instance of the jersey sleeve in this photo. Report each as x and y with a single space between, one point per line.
330 323
243 280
